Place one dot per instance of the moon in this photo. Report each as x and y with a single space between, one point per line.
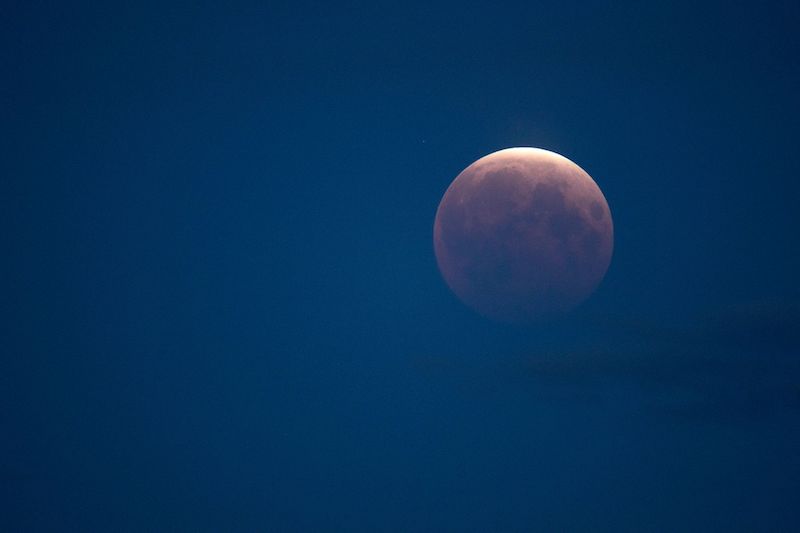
523 234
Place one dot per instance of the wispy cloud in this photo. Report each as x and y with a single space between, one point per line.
737 363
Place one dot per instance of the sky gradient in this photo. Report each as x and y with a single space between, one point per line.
222 306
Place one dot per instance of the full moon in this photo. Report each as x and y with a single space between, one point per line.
523 234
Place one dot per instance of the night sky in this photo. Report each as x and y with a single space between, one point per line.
221 305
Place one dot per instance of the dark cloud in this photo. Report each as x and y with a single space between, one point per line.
738 363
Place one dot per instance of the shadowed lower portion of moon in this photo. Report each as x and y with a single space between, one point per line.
523 234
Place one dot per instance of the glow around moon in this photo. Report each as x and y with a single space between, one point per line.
522 234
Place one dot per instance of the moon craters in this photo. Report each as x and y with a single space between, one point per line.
523 233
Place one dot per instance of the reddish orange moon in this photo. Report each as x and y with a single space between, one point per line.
523 234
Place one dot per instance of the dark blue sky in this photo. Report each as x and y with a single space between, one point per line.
222 308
